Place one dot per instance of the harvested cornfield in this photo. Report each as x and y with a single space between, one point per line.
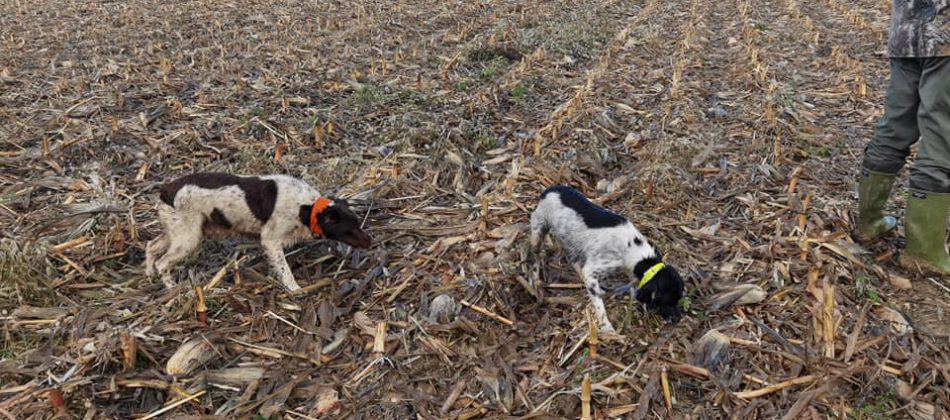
728 131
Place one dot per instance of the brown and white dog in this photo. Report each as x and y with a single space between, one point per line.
280 210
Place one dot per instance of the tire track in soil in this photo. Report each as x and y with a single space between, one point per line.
802 88
415 66
548 132
454 106
617 85
869 22
543 75
837 138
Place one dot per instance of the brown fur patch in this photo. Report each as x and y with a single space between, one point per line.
259 194
217 218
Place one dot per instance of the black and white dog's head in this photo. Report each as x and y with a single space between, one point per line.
664 290
338 223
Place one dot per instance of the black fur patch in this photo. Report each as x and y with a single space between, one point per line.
664 292
260 195
593 215
638 241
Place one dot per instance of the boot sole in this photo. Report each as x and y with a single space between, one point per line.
915 263
867 240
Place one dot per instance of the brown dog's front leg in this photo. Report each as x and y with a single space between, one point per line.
278 264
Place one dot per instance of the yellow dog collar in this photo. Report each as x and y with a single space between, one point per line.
649 274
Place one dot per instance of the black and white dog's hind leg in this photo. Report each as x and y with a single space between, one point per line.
152 250
183 236
539 232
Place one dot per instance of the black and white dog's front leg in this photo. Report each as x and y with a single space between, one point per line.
274 249
591 273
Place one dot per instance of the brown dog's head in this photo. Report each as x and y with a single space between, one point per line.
338 222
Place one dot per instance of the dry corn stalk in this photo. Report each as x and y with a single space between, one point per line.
665 384
239 376
379 342
318 135
828 318
189 356
585 397
129 350
200 307
741 294
486 312
592 341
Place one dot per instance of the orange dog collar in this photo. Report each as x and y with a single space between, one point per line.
318 207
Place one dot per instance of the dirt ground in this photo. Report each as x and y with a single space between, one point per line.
728 131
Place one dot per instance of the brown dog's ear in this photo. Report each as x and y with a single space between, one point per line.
329 216
304 214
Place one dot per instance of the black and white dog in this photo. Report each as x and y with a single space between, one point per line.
598 242
279 210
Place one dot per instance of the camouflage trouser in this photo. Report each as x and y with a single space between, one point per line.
917 106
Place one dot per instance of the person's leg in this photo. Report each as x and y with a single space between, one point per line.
897 130
887 151
926 220
931 169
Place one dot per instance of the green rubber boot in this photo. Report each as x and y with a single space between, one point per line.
873 190
926 229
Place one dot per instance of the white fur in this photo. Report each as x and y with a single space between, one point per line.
193 205
595 251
